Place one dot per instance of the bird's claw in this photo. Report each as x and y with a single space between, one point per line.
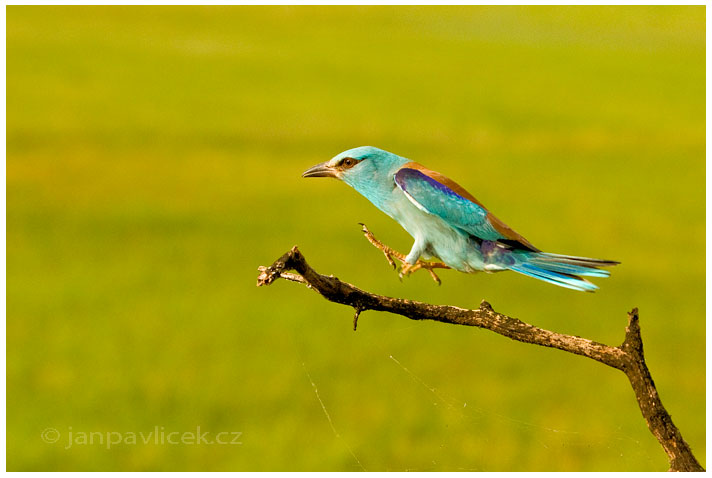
408 269
434 276
390 260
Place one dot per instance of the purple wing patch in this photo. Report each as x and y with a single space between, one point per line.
403 176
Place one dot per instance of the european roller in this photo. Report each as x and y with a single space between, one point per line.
448 223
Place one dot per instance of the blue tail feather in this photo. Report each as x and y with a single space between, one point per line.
564 271
569 268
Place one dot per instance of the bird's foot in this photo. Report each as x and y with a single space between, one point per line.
406 268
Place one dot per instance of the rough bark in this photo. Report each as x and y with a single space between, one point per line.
628 357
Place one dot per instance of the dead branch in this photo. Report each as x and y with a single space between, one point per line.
627 357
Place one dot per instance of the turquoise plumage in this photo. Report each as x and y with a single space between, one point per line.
448 223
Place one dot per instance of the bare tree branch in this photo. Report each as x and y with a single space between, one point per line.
628 357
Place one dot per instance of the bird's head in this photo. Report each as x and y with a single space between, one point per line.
361 168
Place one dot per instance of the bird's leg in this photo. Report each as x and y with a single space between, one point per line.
387 251
406 268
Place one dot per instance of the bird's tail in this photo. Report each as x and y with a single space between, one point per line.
564 271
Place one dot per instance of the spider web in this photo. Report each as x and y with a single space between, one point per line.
543 436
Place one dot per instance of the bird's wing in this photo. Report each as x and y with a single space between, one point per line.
440 196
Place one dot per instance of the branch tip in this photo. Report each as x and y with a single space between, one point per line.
633 340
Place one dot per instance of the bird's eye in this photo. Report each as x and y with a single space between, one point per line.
348 163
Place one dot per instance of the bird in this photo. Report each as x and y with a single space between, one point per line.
448 223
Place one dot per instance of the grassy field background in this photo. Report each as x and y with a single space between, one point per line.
153 162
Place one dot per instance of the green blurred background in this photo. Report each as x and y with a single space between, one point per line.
154 161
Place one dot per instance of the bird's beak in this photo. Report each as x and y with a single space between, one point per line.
321 170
